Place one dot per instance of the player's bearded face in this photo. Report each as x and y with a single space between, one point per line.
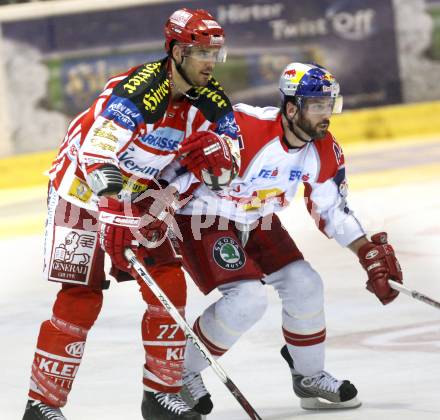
315 124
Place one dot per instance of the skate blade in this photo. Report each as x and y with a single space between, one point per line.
321 404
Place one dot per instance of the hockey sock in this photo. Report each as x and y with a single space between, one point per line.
163 340
224 322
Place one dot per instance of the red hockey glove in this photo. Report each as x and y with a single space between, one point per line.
206 150
116 229
159 205
145 223
380 263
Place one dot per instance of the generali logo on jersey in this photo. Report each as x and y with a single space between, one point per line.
71 255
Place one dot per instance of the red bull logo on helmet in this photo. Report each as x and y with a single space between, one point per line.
290 73
293 75
328 76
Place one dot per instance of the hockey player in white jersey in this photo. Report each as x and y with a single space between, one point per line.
240 241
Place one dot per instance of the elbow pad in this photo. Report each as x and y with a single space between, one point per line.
105 180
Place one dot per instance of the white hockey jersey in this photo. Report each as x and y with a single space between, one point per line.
271 173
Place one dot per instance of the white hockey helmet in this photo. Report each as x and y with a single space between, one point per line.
302 81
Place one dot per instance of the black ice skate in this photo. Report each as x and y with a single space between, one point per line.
195 394
36 410
163 406
313 389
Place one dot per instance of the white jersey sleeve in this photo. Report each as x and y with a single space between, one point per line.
326 194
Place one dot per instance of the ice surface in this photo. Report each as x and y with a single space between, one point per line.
391 353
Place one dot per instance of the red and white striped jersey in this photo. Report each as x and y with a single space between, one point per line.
134 125
271 173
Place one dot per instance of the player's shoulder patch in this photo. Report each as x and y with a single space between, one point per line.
330 155
123 112
212 101
147 87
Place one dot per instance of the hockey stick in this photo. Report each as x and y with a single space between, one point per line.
189 333
414 294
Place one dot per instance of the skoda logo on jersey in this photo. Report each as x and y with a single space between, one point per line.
228 254
75 349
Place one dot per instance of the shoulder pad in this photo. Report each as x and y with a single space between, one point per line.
147 87
212 101
330 156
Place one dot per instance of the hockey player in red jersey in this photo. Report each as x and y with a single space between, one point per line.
113 155
240 240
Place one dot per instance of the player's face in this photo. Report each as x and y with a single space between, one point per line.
314 117
199 64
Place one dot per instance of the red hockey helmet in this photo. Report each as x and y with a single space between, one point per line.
193 28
